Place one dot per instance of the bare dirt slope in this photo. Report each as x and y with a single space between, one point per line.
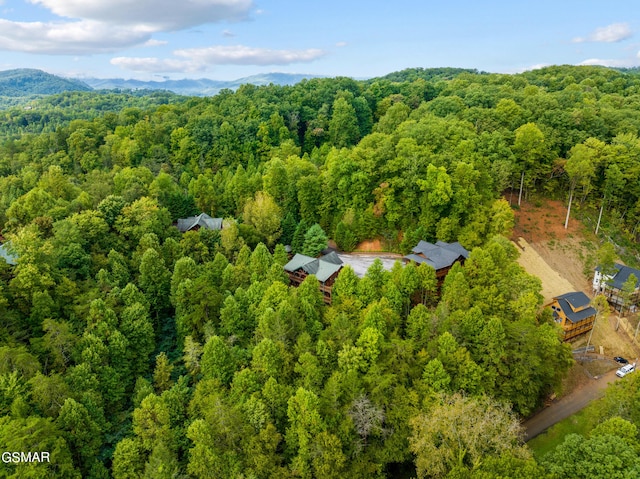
557 256
553 283
567 256
540 225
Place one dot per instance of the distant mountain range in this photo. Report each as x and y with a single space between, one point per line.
200 87
21 85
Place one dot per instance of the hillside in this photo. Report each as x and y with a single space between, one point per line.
25 81
22 85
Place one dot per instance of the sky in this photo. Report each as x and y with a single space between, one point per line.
231 39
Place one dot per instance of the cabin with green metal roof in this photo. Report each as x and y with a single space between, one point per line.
325 268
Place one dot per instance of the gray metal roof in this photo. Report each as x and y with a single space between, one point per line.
440 255
623 275
419 260
203 220
574 317
7 255
331 257
455 246
576 299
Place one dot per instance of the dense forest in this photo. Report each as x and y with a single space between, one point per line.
131 350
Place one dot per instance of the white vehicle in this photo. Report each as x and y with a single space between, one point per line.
624 370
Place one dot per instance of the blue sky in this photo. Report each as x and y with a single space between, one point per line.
230 39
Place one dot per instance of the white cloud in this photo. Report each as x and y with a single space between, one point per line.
98 26
626 63
341 44
155 43
156 65
156 15
242 55
199 59
535 66
616 32
69 38
228 34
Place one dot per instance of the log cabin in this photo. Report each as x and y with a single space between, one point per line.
441 256
326 269
574 314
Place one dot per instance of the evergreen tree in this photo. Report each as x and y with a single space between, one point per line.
298 238
315 240
288 228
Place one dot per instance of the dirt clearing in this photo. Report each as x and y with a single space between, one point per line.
553 283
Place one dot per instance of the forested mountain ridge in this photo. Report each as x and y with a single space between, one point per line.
22 85
25 81
131 350
19 86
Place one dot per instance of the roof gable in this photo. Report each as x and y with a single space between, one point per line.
320 267
332 257
297 262
440 255
203 220
577 300
575 316
622 275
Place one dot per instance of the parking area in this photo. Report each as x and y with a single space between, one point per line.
360 262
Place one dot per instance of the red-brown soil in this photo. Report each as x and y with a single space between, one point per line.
370 245
543 220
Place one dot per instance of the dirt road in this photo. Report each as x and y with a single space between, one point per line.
568 405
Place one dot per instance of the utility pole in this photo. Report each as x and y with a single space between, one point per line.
600 304
590 334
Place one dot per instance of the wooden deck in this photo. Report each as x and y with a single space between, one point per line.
296 278
578 329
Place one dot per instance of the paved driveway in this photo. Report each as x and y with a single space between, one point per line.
360 262
568 405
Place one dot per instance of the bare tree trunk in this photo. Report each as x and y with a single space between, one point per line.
600 216
521 185
566 222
